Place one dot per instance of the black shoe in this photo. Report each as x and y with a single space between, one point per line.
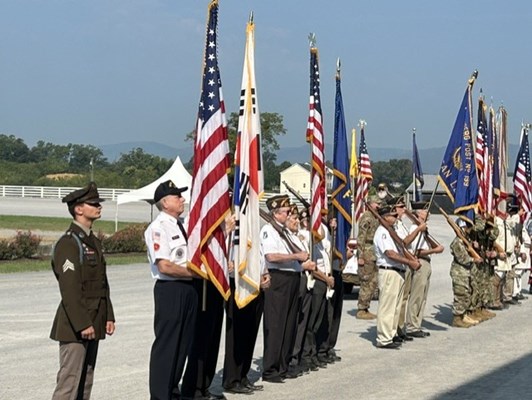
520 296
256 388
253 387
292 373
322 362
213 396
397 339
238 388
313 365
304 367
334 356
392 345
418 334
406 337
273 379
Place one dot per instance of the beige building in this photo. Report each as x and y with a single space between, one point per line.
297 176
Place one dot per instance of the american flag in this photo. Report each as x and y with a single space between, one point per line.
249 183
365 176
482 159
522 175
209 202
315 138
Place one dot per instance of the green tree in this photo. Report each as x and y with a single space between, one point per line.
45 151
13 149
393 172
138 168
272 126
81 157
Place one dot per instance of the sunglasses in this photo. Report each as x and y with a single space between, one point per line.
95 205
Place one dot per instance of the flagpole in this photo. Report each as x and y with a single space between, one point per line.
354 173
414 188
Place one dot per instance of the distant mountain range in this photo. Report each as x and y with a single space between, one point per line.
430 158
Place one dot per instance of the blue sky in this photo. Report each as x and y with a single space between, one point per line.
110 71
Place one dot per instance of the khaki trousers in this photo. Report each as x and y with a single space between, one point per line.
76 370
391 285
418 296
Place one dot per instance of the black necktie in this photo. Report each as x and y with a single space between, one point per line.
182 229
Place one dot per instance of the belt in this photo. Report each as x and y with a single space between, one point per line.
426 258
397 269
284 271
174 281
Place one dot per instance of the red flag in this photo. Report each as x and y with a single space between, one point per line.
209 202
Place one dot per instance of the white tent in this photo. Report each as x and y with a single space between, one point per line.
177 173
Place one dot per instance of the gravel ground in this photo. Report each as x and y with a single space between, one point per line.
489 361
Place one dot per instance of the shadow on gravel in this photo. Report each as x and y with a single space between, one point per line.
370 334
511 381
444 314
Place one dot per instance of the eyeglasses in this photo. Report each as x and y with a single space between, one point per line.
95 205
400 206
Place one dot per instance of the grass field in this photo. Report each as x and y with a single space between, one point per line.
44 264
24 223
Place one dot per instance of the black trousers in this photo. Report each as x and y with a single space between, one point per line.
317 313
328 334
175 317
302 319
201 364
241 329
280 319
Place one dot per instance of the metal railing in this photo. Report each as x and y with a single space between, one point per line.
49 192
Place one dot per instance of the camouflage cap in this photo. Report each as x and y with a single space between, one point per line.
480 223
87 194
278 201
374 199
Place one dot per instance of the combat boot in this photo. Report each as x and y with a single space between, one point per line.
478 315
458 322
469 319
365 314
487 314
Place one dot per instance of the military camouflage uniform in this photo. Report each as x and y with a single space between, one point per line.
368 273
461 277
482 293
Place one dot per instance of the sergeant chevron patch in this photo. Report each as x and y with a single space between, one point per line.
68 265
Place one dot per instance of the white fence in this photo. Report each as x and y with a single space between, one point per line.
48 192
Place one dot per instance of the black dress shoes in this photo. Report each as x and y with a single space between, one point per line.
213 396
418 334
393 346
252 386
406 337
238 388
397 339
273 379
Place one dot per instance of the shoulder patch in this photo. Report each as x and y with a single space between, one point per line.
265 235
68 265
